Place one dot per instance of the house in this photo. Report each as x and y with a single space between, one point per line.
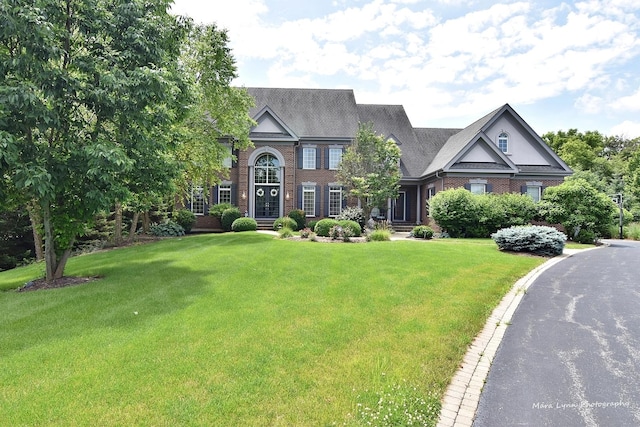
301 134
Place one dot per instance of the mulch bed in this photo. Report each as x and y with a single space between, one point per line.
38 284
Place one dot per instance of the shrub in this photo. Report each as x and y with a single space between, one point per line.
587 237
244 224
312 224
284 222
577 205
167 229
185 218
379 236
340 232
228 216
285 233
536 239
305 232
634 231
299 217
218 209
356 230
422 232
455 211
353 213
323 226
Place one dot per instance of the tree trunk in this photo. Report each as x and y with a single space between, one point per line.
50 258
134 226
145 222
36 222
117 233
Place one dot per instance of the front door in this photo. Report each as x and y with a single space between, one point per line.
399 207
267 201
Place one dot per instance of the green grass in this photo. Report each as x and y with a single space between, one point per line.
245 329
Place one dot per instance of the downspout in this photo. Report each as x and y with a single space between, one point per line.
418 205
441 180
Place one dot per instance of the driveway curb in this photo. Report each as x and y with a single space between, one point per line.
462 396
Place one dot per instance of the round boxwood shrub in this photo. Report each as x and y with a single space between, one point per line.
244 224
356 230
312 224
228 216
422 232
185 218
323 226
284 222
299 217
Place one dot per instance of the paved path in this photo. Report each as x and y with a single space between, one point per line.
571 355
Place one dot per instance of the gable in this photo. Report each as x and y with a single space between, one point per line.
270 127
481 155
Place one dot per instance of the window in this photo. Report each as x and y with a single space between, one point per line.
224 193
535 191
503 142
476 188
335 201
227 162
196 200
309 200
335 157
308 158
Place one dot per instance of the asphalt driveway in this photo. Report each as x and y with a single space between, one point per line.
571 355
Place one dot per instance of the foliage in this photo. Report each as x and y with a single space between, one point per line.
185 218
577 206
299 217
356 231
244 224
464 214
285 222
285 233
379 236
370 169
338 232
90 93
167 229
536 239
312 224
323 226
218 209
228 216
422 232
220 111
305 233
353 213
16 238
399 405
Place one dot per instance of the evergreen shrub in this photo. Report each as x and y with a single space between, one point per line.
422 232
299 217
356 229
244 224
185 218
537 239
323 226
228 216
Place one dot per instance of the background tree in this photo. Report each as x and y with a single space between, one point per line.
370 169
585 213
218 121
87 88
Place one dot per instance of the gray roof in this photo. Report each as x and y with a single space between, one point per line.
456 143
429 142
310 113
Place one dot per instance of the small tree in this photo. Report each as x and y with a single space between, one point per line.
578 206
370 169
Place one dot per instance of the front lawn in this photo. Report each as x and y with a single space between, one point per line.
246 330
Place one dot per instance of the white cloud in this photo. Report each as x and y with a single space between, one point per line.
627 129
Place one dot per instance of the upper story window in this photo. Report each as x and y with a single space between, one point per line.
503 142
308 158
335 157
227 161
267 170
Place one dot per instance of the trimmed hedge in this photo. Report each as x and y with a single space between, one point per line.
422 232
228 216
323 226
540 240
244 224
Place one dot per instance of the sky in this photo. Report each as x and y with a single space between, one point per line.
560 65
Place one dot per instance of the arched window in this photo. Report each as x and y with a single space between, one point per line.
267 170
503 142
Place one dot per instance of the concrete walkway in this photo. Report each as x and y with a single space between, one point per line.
463 394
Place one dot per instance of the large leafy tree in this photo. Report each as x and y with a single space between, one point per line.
218 121
90 91
370 169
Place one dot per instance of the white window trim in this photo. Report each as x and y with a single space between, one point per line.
333 189
506 140
312 149
335 167
225 187
309 189
194 190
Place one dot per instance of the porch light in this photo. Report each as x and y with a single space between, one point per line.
244 195
287 196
